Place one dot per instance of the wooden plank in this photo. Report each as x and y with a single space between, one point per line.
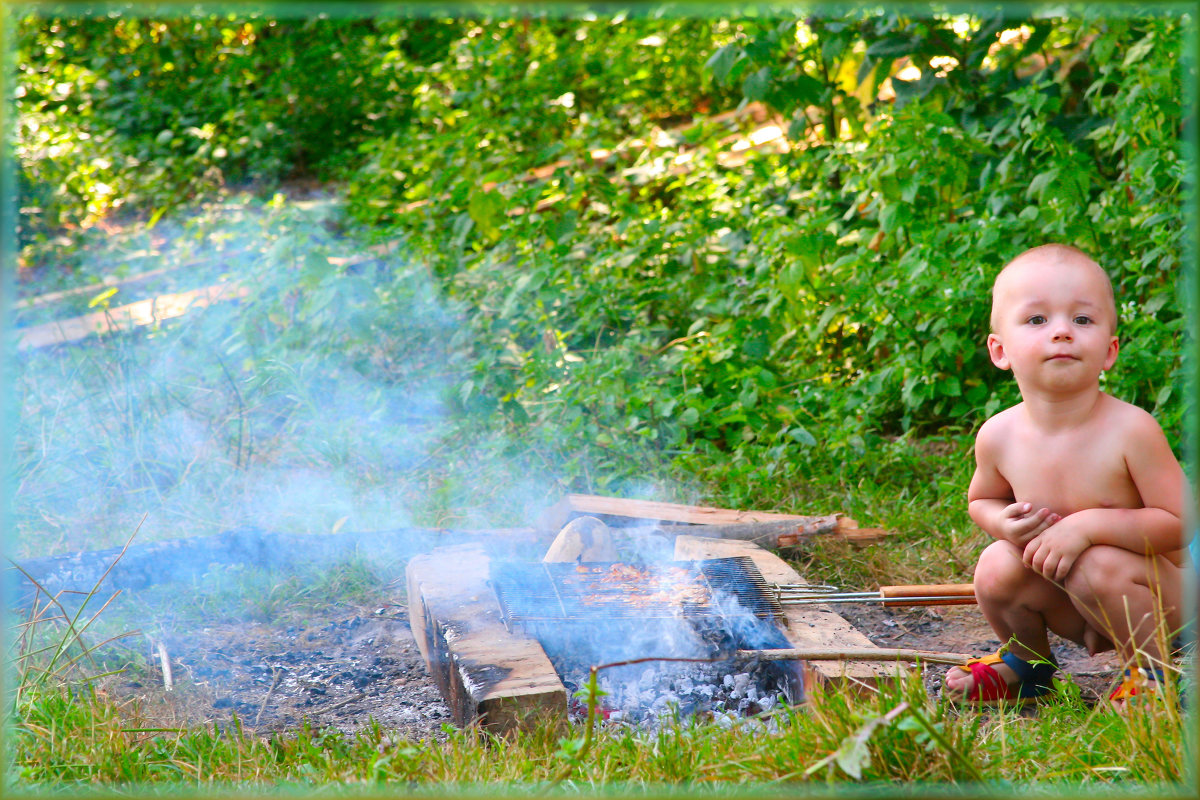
621 508
807 626
126 317
768 529
107 282
488 676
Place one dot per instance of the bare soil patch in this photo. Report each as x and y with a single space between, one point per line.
341 668
348 666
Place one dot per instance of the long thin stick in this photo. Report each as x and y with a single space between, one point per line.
852 654
274 684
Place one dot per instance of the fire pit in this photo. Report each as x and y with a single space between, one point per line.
510 641
589 614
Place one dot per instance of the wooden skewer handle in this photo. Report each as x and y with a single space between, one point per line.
948 594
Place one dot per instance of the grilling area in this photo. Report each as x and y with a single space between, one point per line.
680 606
685 612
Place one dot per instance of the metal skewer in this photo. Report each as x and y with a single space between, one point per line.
953 594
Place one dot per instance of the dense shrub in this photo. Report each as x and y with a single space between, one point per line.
643 287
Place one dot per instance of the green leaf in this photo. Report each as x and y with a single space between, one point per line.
486 209
853 756
1139 50
756 84
689 417
723 60
1040 182
949 386
892 46
801 435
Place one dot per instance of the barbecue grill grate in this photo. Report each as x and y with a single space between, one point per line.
537 593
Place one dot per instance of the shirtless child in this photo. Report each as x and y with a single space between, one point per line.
1080 491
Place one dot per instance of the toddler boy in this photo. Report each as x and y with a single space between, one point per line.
1080 491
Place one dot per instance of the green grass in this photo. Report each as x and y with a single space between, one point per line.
892 736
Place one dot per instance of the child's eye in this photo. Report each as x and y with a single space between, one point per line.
1037 319
1082 320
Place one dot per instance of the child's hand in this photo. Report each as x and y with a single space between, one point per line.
1020 524
1053 552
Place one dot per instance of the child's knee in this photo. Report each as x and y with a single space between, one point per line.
1102 570
999 570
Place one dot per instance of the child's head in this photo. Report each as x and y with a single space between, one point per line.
1053 317
1041 261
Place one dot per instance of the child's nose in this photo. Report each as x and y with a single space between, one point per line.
1062 333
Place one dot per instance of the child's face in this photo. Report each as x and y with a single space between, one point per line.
1054 323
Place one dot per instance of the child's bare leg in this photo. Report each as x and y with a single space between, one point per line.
1020 606
1125 596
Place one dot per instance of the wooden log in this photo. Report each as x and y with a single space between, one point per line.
778 534
808 627
623 511
765 528
488 675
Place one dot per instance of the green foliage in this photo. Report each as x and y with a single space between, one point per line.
118 111
629 284
842 287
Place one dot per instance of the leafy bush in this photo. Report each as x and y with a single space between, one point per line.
627 287
118 111
843 283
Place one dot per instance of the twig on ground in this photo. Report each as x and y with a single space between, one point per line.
345 702
853 654
270 692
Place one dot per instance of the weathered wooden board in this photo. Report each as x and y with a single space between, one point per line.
487 675
574 504
766 528
126 317
808 626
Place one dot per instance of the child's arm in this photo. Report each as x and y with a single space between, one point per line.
990 500
1155 528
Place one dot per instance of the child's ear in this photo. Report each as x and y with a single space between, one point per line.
1111 357
996 351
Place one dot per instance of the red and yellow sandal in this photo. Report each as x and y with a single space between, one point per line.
1033 679
1138 683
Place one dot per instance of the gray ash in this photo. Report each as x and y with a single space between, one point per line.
652 694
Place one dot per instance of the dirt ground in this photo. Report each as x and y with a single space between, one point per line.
962 629
349 665
341 669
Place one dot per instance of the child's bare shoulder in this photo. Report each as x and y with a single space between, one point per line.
1127 420
999 428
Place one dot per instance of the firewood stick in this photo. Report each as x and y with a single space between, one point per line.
852 654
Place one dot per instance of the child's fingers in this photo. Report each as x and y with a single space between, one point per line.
1027 529
1063 568
1017 510
1029 554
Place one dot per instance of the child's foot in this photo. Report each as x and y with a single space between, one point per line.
1000 677
1138 685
